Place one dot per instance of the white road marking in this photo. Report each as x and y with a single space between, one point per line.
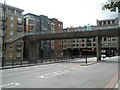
10 84
56 73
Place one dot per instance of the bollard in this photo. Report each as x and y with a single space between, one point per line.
86 59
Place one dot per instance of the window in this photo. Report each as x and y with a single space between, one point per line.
113 44
105 39
31 21
11 25
93 39
109 38
19 28
109 44
83 40
10 55
73 45
113 21
113 38
108 22
19 20
11 18
11 33
94 44
11 47
105 44
3 18
77 45
104 22
18 55
83 44
73 40
30 27
100 23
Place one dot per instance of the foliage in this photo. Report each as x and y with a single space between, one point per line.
112 6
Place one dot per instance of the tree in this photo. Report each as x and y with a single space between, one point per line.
112 6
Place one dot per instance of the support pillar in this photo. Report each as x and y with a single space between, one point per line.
33 50
98 48
118 46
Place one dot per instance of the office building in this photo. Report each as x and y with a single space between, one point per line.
77 47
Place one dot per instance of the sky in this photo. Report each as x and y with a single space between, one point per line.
71 12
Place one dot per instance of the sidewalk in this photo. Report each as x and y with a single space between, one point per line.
90 61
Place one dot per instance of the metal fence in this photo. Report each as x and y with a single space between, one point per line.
28 62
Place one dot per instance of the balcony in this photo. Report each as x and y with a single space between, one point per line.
3 18
20 29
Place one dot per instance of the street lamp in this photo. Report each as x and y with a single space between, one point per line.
3 44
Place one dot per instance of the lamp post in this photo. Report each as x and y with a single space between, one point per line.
3 44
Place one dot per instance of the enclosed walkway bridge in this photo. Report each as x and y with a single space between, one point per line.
35 37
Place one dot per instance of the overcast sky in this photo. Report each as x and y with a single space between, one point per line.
70 12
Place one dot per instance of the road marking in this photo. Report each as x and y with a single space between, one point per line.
53 74
10 84
110 84
56 73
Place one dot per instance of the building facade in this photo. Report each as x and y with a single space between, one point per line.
56 45
12 22
76 47
41 24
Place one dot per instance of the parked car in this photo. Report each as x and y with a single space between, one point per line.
103 56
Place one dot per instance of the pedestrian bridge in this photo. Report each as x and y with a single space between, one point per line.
35 37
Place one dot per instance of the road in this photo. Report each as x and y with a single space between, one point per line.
63 75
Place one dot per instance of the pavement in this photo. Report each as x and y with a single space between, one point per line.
90 60
71 74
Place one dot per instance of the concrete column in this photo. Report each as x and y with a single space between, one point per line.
33 50
98 47
119 46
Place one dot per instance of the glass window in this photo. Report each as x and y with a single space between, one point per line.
77 45
31 21
20 28
105 44
108 22
94 44
11 33
18 55
11 18
11 47
11 25
113 21
30 27
19 20
104 22
109 44
109 38
83 44
113 44
83 40
10 55
105 39
100 23
113 38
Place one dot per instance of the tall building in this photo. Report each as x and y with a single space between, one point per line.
32 25
14 26
41 24
45 44
56 45
109 45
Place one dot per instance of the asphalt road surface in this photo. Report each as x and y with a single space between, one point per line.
63 75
